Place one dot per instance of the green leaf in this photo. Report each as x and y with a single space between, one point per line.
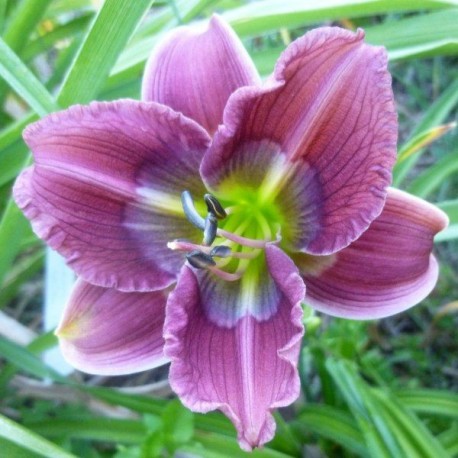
110 32
2 15
431 402
333 424
11 450
24 19
451 208
433 177
415 439
178 424
219 446
398 431
449 440
139 49
25 360
434 116
63 31
13 153
250 19
451 232
29 440
25 355
378 437
153 444
425 138
423 35
20 273
143 404
24 82
13 227
135 402
101 428
107 37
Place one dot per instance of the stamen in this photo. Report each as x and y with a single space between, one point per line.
200 260
246 255
221 251
190 211
237 251
218 251
211 226
242 240
185 245
214 207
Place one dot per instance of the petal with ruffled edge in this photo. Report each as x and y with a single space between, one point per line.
387 270
108 332
194 71
245 367
105 189
329 116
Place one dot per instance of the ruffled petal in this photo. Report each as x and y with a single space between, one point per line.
195 71
108 332
247 367
105 189
328 119
387 270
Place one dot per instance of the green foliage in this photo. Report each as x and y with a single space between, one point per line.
364 384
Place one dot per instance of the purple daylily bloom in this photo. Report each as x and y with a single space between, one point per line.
301 164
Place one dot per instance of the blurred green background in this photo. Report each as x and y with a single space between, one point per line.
370 389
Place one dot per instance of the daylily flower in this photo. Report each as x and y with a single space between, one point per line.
295 173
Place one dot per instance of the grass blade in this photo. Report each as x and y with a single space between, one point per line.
422 35
30 440
333 424
435 115
431 402
433 177
251 19
420 141
105 40
24 82
112 28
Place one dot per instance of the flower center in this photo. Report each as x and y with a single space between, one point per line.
235 232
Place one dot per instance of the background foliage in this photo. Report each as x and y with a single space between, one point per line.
371 389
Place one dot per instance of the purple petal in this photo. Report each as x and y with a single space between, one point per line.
245 368
108 332
387 270
328 117
105 189
195 71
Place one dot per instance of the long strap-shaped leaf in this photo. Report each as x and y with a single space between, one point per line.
26 16
30 440
105 40
434 116
390 430
24 82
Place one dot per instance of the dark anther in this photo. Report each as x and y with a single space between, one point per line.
190 211
214 207
220 251
211 226
200 260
